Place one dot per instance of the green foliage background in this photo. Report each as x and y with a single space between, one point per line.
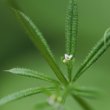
16 50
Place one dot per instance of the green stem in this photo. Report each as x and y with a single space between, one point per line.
82 102
69 73
69 69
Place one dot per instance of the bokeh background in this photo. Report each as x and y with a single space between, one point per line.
16 50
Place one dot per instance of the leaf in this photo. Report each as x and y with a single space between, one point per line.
71 31
31 73
71 27
82 103
22 94
95 54
39 41
86 92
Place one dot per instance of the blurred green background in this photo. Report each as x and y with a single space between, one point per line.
16 50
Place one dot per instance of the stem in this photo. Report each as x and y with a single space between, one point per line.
82 102
69 73
69 69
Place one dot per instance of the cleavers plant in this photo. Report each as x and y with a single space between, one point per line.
64 84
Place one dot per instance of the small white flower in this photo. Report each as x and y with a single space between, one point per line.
67 58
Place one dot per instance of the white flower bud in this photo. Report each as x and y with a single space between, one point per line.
67 58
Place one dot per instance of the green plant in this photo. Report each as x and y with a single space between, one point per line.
64 84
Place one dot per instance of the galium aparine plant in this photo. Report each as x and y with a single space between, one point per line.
63 83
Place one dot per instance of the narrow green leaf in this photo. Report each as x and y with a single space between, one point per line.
82 103
71 27
71 31
32 74
39 41
86 92
22 94
95 54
